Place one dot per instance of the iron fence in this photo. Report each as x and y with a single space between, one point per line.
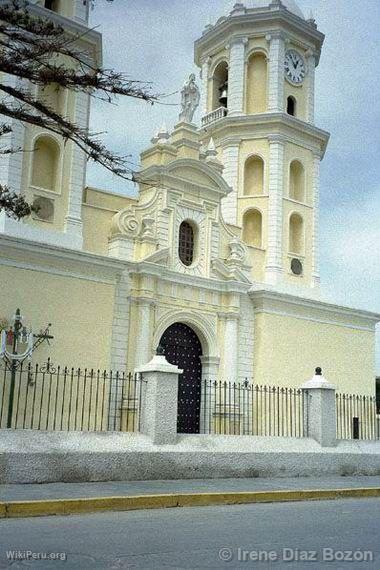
356 417
67 399
242 408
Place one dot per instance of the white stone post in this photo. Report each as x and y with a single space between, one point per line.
160 400
311 87
236 71
204 89
276 96
315 246
273 269
321 410
230 174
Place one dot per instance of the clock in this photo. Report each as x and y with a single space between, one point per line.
295 67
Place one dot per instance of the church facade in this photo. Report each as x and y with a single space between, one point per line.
217 260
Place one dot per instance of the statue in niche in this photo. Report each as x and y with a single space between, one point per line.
190 100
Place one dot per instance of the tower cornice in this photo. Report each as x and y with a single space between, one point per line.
267 125
254 23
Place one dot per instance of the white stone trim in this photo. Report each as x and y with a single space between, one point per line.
73 219
291 305
275 231
313 319
204 326
276 73
205 83
315 245
231 174
310 88
236 72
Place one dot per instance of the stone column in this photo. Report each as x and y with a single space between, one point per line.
315 246
276 72
310 87
230 174
230 347
160 400
210 367
321 410
204 88
143 330
274 269
236 71
73 219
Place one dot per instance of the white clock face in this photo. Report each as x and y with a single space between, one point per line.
295 67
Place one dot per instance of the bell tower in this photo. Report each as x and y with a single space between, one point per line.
258 69
51 173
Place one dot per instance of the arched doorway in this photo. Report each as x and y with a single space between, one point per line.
182 347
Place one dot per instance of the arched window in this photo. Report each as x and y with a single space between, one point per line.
297 181
291 106
186 243
52 5
296 234
253 176
257 80
253 228
220 86
45 163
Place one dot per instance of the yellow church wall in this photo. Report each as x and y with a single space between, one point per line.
96 229
287 350
80 311
106 200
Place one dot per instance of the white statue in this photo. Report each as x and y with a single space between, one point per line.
190 100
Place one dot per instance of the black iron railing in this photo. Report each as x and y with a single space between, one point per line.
242 408
356 417
67 399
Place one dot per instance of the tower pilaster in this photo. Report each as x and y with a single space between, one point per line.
311 89
316 191
73 219
276 72
236 76
205 68
230 174
273 268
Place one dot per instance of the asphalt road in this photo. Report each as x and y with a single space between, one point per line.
281 534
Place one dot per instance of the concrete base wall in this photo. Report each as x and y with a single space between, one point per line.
42 457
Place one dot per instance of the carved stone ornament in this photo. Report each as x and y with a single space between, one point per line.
125 222
147 230
237 253
129 223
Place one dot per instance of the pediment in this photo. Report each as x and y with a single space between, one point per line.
198 173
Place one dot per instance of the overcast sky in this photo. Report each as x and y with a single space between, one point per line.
152 40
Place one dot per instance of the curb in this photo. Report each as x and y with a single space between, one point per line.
39 508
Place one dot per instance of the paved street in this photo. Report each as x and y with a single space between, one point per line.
203 537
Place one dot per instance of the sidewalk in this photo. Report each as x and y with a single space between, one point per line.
49 491
78 498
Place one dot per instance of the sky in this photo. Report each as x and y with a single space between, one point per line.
152 40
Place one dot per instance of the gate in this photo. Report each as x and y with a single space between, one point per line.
183 348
